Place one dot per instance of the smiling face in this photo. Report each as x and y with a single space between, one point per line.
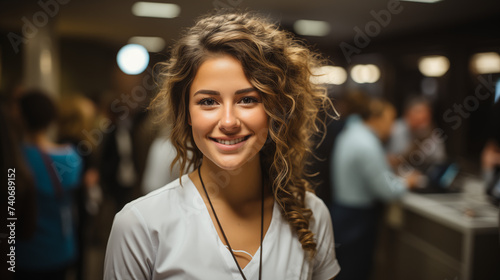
226 113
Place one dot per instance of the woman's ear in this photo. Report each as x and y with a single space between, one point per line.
189 119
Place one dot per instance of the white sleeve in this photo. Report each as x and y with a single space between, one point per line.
325 261
129 253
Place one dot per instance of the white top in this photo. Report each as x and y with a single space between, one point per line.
168 234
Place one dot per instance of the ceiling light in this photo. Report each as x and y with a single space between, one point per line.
485 63
365 74
157 10
433 65
311 27
152 44
132 59
423 1
333 75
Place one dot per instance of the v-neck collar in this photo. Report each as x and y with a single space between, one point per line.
252 267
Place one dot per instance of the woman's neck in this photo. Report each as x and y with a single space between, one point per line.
233 187
40 139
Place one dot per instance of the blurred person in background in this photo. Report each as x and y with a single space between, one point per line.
56 170
362 178
159 170
346 104
19 183
413 142
77 115
490 156
117 168
12 111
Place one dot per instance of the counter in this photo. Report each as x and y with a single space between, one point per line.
446 236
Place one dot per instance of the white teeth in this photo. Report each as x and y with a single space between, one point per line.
230 142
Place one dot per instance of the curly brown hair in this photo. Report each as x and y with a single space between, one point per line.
279 67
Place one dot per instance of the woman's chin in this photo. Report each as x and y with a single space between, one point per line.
234 164
230 166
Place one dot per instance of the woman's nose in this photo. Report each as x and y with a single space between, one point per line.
229 121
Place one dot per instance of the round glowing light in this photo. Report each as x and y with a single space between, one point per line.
333 75
486 63
434 65
132 59
365 73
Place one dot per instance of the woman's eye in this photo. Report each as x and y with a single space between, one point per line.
207 102
248 100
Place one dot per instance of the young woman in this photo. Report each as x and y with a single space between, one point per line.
238 97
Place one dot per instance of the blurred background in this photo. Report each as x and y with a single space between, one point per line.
81 53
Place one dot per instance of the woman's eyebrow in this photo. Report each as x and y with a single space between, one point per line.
214 92
207 91
245 90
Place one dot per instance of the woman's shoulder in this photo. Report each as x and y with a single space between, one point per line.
318 207
169 197
312 201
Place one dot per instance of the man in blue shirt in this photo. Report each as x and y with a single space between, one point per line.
362 178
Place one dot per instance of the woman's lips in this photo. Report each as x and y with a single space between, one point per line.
230 141
230 144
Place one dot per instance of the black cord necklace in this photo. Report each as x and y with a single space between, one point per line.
224 235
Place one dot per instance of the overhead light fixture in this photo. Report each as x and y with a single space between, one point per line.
365 73
132 59
433 65
332 75
157 10
485 63
423 1
311 27
152 44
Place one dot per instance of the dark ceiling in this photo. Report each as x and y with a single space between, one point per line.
111 21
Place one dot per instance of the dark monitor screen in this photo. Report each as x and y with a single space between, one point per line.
441 176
